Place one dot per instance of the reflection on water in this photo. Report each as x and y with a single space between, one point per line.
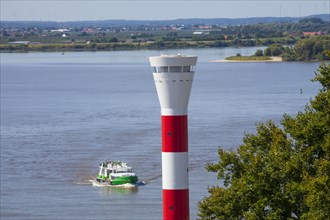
115 190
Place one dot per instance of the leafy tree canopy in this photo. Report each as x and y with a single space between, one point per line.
308 49
312 20
278 173
259 53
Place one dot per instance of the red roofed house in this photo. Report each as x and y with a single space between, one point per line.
313 33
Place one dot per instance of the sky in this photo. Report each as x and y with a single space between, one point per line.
79 10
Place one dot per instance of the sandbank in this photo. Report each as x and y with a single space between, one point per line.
273 59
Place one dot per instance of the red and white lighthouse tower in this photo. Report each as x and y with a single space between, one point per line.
173 75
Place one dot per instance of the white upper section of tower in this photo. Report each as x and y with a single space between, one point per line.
173 60
173 75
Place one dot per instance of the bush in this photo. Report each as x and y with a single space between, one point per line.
259 53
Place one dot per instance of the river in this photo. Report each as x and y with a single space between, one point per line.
61 114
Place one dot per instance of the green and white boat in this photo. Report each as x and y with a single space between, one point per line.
115 173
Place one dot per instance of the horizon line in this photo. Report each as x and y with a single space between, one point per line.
174 19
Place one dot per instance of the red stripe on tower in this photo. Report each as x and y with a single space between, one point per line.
173 75
177 204
175 133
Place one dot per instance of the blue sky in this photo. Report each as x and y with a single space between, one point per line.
77 10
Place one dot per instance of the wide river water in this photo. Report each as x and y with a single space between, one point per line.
61 114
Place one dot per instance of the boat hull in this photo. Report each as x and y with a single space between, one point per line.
124 180
119 180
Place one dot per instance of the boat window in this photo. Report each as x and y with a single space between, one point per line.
154 69
175 69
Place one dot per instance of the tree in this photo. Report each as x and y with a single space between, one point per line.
5 33
312 20
113 40
274 50
83 34
308 49
278 173
219 43
268 52
259 53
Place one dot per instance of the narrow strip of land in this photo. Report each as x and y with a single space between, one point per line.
272 59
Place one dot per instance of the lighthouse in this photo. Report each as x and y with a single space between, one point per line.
173 76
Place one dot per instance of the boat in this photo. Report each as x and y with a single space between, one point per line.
116 174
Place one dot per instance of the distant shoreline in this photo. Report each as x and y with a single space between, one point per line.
273 59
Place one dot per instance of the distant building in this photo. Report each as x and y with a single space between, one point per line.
313 33
204 27
20 42
60 30
89 30
201 32
24 42
34 43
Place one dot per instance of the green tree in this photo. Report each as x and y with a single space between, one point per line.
308 49
113 40
259 53
268 52
312 20
274 50
278 173
219 43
